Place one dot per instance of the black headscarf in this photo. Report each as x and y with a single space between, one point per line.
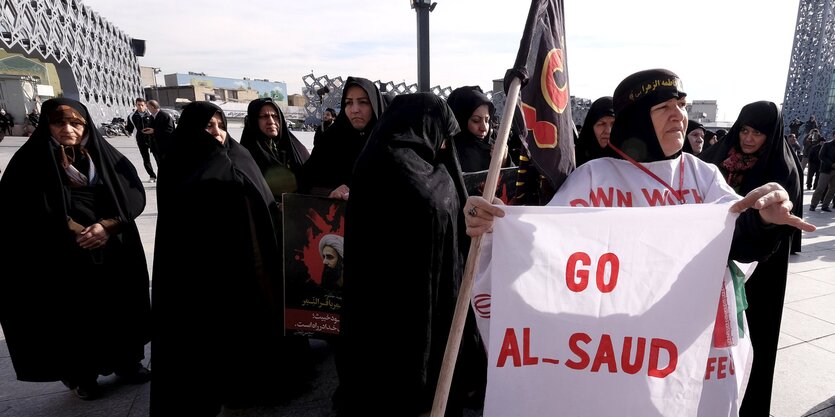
217 270
473 152
691 126
331 163
274 156
633 131
403 178
586 146
51 288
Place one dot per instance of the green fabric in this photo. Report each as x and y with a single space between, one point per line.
739 289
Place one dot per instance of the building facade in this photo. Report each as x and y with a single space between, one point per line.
810 85
95 62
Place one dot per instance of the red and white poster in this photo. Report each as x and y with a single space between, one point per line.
603 311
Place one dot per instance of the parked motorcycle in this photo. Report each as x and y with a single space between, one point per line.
116 127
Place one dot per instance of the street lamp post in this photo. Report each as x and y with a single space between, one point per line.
422 9
156 84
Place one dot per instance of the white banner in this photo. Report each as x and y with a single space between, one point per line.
604 312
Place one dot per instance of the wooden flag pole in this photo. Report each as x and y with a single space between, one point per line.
462 305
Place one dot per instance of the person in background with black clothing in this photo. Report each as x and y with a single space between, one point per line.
825 190
74 298
137 121
795 125
812 124
814 165
6 123
31 122
161 130
327 121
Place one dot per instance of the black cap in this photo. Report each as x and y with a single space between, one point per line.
658 85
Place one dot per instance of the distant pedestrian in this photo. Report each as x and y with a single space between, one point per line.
327 121
795 126
139 120
161 129
812 124
814 166
74 293
6 123
825 189
31 122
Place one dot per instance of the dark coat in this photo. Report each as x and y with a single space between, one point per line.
65 309
137 121
217 275
163 125
827 157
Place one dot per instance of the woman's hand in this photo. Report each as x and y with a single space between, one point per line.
774 206
340 193
479 214
93 236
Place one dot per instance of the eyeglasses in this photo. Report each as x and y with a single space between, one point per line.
268 116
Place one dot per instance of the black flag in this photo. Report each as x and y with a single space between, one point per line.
545 101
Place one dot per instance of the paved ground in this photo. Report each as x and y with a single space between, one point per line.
804 381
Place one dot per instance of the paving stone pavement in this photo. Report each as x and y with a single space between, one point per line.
804 377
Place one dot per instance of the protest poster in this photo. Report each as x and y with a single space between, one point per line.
313 229
604 312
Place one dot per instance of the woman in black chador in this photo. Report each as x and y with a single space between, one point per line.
217 274
593 141
403 262
474 113
274 148
752 154
329 170
74 300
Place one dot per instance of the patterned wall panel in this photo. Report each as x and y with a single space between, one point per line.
95 61
317 104
810 86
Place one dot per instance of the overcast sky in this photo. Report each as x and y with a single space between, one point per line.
733 51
